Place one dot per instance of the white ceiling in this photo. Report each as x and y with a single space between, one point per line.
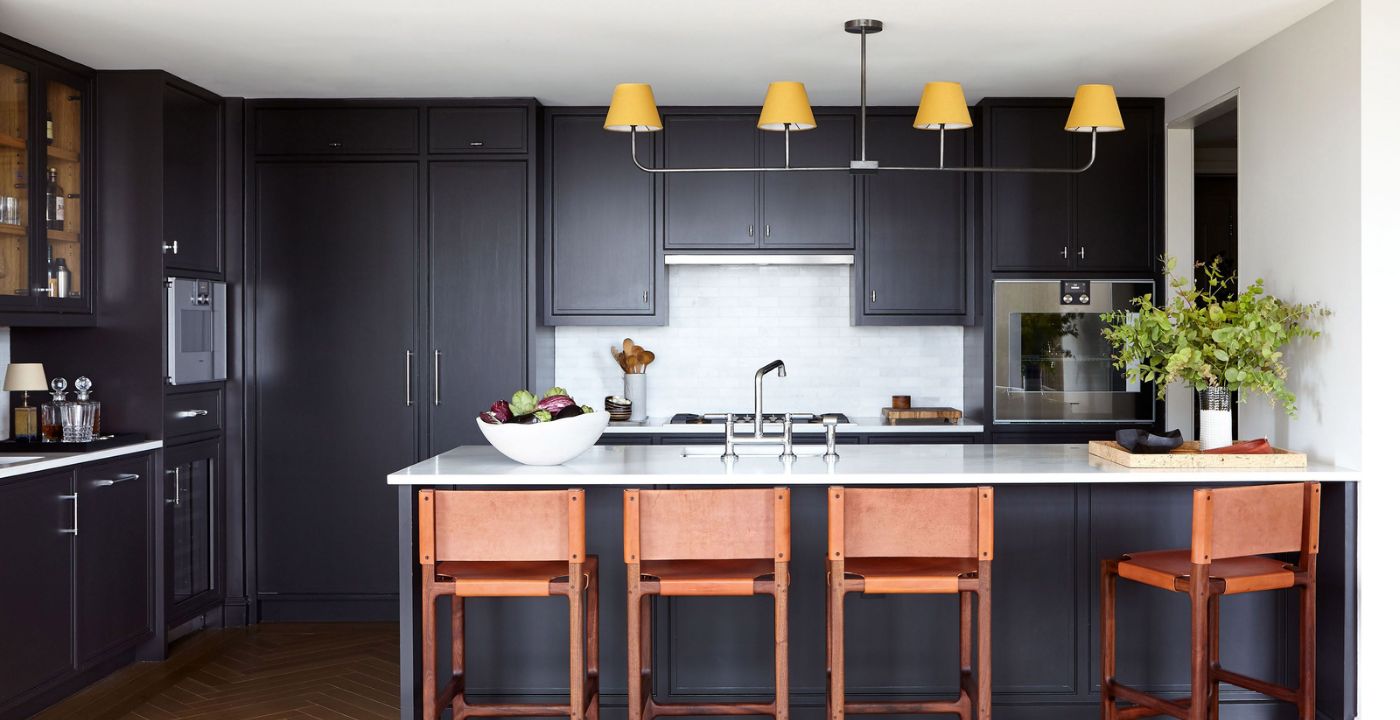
707 52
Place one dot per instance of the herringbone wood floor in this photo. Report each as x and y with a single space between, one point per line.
270 672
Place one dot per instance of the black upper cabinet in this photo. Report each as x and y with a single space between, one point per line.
913 268
779 211
810 210
710 210
478 129
193 143
336 130
113 555
478 249
36 581
602 262
1106 219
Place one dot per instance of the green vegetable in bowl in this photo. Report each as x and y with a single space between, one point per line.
556 390
522 403
543 415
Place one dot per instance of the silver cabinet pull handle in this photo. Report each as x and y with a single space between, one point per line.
437 377
1064 252
176 500
73 530
750 231
767 231
475 143
408 378
646 296
872 297
172 247
200 412
121 478
1081 253
333 145
41 291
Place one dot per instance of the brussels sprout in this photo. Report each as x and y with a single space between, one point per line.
586 408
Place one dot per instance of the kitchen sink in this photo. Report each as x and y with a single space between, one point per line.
770 451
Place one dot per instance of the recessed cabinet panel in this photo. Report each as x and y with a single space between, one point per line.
816 209
1115 210
16 194
336 131
601 232
65 280
193 233
37 516
1030 221
477 129
710 210
113 555
915 259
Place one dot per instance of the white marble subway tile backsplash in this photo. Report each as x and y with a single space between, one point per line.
728 320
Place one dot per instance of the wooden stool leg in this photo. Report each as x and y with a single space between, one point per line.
429 642
1200 641
967 683
1213 709
459 640
780 641
984 640
1307 651
577 642
837 593
634 641
593 610
1108 638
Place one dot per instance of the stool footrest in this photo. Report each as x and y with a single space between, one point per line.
655 709
910 707
1277 692
511 710
1151 703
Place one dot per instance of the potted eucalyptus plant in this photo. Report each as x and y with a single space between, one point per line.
1217 344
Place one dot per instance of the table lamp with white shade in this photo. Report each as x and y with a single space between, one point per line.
23 377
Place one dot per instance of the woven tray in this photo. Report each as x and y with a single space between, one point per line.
1189 455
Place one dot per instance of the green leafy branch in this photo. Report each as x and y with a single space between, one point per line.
1205 340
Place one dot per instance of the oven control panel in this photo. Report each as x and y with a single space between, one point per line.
1074 292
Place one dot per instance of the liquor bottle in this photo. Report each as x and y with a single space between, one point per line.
55 201
51 423
88 410
48 127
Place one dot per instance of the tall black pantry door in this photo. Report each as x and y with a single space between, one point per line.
336 365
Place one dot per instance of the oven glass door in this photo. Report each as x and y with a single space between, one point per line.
1052 363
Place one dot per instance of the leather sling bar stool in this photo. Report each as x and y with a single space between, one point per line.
480 543
704 543
912 540
1231 529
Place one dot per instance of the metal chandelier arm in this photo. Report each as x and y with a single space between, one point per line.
1093 155
786 166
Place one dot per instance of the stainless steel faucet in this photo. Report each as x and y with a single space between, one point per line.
758 393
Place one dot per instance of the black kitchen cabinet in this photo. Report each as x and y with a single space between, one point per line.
915 261
478 129
193 192
37 516
602 263
1106 219
113 561
336 334
479 253
710 210
780 211
335 129
193 492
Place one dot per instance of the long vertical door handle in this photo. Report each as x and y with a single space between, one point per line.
73 530
176 500
437 377
408 378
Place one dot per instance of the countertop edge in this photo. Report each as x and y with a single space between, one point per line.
859 426
68 460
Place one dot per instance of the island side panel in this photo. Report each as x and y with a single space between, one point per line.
410 679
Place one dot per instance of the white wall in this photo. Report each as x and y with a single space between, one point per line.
727 321
1299 212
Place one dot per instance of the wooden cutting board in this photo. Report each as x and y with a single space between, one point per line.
924 416
1189 456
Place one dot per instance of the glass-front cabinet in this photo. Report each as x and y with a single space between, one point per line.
44 253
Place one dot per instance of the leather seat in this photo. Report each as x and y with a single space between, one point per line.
1249 573
707 577
505 579
910 575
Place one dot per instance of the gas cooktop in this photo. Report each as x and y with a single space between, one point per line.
768 418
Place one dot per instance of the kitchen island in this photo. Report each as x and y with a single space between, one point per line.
1059 512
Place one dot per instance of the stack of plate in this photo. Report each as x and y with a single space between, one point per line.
619 408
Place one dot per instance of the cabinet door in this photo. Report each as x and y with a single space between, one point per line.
811 210
1029 217
1116 216
478 215
336 131
915 259
602 238
64 281
113 555
478 129
193 231
37 516
18 209
336 322
193 539
710 210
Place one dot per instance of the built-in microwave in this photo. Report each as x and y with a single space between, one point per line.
1051 362
196 341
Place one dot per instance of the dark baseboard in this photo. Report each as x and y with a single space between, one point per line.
328 608
37 700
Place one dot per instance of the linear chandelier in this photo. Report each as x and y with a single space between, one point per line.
786 110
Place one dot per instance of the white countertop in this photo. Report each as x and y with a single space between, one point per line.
863 425
11 464
859 464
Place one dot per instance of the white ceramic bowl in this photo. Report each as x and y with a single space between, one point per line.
546 443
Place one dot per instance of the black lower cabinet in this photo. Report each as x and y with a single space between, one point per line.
335 325
113 563
36 582
193 487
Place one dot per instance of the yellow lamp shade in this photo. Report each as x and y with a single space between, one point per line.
786 107
633 107
1095 108
943 106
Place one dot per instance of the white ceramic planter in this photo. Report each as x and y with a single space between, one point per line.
547 443
634 388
